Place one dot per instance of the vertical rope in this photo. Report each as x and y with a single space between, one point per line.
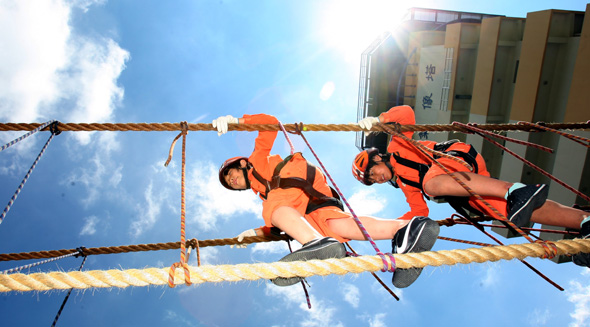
63 304
386 264
22 184
582 140
11 143
182 263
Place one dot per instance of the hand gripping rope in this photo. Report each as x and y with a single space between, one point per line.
183 261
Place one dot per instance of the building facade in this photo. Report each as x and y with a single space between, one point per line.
487 69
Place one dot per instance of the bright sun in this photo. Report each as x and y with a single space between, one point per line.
351 26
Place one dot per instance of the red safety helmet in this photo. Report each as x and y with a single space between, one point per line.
227 165
362 164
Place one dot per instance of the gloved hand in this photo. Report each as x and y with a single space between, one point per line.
367 122
221 123
246 233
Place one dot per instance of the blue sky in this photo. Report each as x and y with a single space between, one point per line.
171 61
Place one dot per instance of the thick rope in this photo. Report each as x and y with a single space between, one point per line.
233 273
13 142
352 127
22 184
581 140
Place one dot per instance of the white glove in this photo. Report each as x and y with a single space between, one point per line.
367 123
246 233
221 123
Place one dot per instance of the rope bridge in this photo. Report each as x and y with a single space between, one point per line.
233 273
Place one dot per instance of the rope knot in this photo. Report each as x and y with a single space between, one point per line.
549 247
388 265
54 128
80 252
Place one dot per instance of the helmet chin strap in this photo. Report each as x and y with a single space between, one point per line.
245 172
385 159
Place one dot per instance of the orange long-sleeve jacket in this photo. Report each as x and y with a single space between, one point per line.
405 116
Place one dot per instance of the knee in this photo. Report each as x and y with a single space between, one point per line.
434 187
282 214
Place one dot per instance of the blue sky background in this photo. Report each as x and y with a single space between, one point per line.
170 61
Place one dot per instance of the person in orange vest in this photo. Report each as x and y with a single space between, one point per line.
407 168
298 200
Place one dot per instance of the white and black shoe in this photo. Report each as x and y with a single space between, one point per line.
583 259
417 236
318 249
522 202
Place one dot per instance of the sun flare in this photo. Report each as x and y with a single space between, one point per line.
350 26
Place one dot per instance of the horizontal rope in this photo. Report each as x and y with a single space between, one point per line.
163 127
233 273
139 247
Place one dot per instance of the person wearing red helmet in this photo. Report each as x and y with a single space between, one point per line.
298 200
406 167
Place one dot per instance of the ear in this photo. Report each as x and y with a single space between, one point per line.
243 163
377 158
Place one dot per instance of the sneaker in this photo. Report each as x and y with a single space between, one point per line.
583 259
522 202
319 249
417 236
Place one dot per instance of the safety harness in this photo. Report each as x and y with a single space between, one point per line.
460 204
316 198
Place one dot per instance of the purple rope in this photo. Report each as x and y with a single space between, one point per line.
386 266
24 180
11 143
287 137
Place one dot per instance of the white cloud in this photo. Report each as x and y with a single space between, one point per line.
492 277
320 314
579 294
89 227
351 294
367 202
377 320
273 247
327 91
148 211
539 317
49 71
211 201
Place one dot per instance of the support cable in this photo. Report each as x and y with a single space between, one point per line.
63 304
54 131
13 142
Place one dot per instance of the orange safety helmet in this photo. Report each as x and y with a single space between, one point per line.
233 163
362 164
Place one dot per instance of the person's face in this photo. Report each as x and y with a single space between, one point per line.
235 177
380 173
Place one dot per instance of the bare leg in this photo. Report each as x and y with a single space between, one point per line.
379 229
291 222
442 185
555 214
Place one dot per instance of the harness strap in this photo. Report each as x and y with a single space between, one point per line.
316 198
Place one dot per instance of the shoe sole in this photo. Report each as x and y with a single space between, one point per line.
527 207
333 250
403 278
